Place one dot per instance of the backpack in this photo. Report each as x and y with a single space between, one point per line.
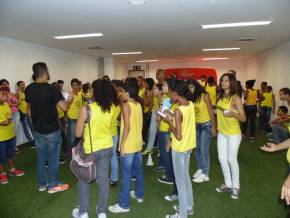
83 165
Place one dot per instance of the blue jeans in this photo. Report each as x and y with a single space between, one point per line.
280 133
48 149
203 139
152 131
264 117
7 150
114 161
71 133
163 138
131 162
26 125
181 161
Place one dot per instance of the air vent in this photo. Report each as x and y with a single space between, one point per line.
96 48
244 40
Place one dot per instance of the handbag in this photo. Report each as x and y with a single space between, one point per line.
83 165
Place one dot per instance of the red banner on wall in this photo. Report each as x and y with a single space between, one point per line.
190 73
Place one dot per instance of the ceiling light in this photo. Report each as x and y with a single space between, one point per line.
142 61
79 36
240 24
126 53
213 59
220 49
137 2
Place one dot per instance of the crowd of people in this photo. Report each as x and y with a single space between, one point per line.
127 119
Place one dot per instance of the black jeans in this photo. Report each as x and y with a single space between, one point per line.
264 118
146 123
251 112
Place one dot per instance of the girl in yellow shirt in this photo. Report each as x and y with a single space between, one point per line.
97 139
130 148
183 131
205 129
230 113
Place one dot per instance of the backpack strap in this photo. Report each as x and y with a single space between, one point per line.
88 109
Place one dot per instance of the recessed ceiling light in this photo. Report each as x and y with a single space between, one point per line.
240 24
212 59
79 36
142 61
126 53
220 49
137 2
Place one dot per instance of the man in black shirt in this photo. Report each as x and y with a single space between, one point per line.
42 102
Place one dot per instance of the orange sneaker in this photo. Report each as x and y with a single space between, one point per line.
3 178
58 188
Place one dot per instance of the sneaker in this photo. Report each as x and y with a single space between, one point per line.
159 169
3 178
16 172
42 188
171 198
32 145
176 215
201 178
17 151
133 178
164 180
61 160
197 173
102 215
133 195
223 188
235 193
75 214
252 139
113 183
146 151
117 209
58 188
189 210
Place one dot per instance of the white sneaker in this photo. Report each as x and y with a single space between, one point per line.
133 195
197 173
75 214
201 178
176 215
189 210
171 198
42 188
117 209
102 215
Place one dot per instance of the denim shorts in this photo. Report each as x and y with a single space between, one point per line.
7 150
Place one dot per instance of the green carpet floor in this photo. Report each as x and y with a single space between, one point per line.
261 178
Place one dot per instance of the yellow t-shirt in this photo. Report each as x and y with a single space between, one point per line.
6 132
252 97
74 108
188 130
114 124
202 83
201 111
133 142
288 156
267 102
226 125
164 126
155 103
23 105
211 90
141 93
100 129
60 112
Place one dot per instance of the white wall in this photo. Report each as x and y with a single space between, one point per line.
17 58
272 66
220 67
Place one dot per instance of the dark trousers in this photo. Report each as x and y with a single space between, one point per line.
264 118
251 112
146 123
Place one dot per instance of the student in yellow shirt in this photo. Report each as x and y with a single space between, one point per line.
230 113
73 112
205 129
97 139
7 138
130 148
211 89
252 97
266 107
183 131
24 118
203 80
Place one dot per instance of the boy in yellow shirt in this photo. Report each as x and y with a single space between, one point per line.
7 138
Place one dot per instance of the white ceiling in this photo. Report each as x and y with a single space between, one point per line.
168 30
